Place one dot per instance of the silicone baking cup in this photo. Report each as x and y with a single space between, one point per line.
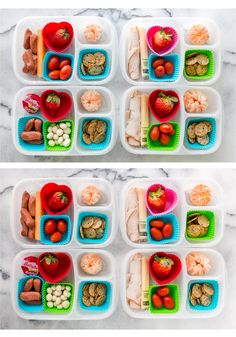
167 218
174 293
21 127
173 58
46 71
215 296
156 145
54 310
163 51
66 237
211 229
49 31
58 147
81 216
212 134
105 306
88 77
210 71
31 308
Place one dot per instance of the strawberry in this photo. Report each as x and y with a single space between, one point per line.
162 39
164 104
58 201
52 103
157 199
49 263
62 37
162 266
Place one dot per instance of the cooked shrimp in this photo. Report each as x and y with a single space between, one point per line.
93 33
195 101
200 195
198 264
91 264
198 34
91 100
90 195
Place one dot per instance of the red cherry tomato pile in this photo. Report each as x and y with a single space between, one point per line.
163 133
162 298
59 69
162 67
160 230
55 229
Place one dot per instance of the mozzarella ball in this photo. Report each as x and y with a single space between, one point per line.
50 135
63 126
51 142
49 297
58 287
62 287
59 132
58 301
63 298
68 124
49 129
58 293
68 288
65 293
53 288
66 142
66 304
54 298
59 306
49 290
68 131
50 304
55 136
60 140
54 129
65 136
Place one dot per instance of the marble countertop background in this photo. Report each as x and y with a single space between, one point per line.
9 85
119 320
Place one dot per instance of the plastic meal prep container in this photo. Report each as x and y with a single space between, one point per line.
216 276
182 187
77 115
75 277
214 111
181 25
106 207
108 42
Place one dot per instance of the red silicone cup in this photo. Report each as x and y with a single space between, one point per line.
161 52
176 269
48 190
64 267
64 108
49 31
151 104
171 200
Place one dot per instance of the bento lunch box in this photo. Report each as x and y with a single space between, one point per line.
181 25
183 188
213 112
108 43
76 277
105 207
184 310
77 115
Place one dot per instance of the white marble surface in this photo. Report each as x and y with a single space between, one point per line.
226 320
226 85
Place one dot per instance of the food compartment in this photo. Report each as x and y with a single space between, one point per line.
35 305
98 189
99 33
97 104
61 238
199 64
173 293
208 290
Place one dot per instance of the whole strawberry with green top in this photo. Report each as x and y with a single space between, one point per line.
162 266
162 39
157 199
52 103
49 263
164 104
62 37
58 201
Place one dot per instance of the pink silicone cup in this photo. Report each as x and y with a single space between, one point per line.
171 199
164 51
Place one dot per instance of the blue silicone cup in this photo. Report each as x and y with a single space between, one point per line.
93 146
28 307
215 297
21 127
171 218
66 237
94 77
82 215
212 134
47 56
174 58
105 306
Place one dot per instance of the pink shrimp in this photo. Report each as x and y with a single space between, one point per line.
91 100
195 101
198 264
91 264
90 195
198 34
93 33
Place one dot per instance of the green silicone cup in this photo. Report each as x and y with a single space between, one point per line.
157 146
54 310
211 229
211 67
174 292
46 124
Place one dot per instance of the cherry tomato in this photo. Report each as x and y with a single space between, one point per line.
154 134
173 132
54 74
168 302
157 62
169 68
164 139
163 291
65 72
56 237
167 230
62 226
50 226
156 234
159 71
53 63
157 223
166 128
64 62
156 301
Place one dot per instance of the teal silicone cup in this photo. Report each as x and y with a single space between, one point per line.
167 218
88 77
173 58
46 71
105 306
82 215
66 237
215 296
31 308
21 127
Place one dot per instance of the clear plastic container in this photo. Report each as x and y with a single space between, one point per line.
108 43
183 188
76 276
105 206
183 281
181 25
